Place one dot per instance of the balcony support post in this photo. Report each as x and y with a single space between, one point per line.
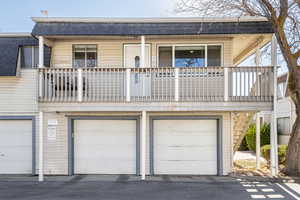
143 51
128 85
176 84
143 145
143 63
226 84
79 85
41 51
258 57
41 148
257 141
41 65
273 142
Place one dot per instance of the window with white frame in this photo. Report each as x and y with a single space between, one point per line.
283 125
189 55
84 55
30 57
281 89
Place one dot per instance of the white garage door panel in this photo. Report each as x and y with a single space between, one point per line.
185 147
206 140
15 146
192 167
184 153
105 146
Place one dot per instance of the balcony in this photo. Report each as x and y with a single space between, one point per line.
210 84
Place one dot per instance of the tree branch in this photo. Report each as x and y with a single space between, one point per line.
297 54
283 12
298 3
270 8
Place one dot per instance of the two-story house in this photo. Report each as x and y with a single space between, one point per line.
145 96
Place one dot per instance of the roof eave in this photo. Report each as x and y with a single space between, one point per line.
145 20
17 34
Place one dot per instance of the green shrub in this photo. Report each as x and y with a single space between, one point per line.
265 152
243 146
282 149
251 136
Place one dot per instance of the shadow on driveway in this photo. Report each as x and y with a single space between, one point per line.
127 187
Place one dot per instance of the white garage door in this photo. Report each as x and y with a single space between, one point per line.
185 147
15 146
105 147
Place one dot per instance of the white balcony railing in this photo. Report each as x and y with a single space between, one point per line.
214 84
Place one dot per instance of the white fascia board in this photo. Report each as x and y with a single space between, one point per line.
146 20
15 34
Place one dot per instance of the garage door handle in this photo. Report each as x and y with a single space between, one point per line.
2 154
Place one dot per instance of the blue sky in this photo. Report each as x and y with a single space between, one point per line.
15 14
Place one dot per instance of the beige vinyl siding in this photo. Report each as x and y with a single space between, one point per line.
18 97
19 94
110 52
56 151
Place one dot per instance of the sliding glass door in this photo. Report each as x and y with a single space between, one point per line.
189 55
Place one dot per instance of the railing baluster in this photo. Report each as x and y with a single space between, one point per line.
226 79
244 84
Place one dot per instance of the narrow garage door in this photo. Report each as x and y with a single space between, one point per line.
105 147
15 146
185 147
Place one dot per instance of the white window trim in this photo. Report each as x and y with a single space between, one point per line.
289 125
192 44
85 55
32 56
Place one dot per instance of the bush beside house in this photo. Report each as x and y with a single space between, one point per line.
282 149
251 136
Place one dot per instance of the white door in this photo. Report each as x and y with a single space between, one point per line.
15 146
185 147
140 82
105 147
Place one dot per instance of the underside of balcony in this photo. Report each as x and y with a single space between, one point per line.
156 106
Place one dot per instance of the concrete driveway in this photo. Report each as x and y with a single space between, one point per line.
131 188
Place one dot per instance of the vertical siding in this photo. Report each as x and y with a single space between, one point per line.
56 151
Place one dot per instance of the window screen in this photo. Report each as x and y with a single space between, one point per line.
190 56
84 55
213 55
283 126
165 56
30 57
27 57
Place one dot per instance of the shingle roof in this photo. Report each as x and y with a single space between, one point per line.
9 48
175 28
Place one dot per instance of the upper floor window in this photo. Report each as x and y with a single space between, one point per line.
84 55
190 55
281 87
30 57
283 125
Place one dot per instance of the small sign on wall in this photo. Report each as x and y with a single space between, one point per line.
51 129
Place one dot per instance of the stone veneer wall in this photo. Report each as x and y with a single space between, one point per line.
241 122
